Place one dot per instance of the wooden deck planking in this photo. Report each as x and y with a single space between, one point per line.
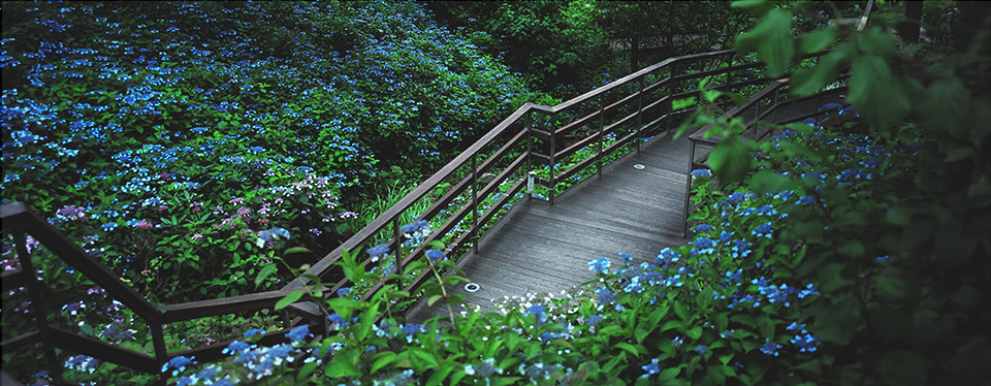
543 248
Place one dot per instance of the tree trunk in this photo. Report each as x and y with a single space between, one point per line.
909 29
635 53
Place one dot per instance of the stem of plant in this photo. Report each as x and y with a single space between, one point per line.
443 291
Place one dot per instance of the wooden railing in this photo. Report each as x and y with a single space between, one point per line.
462 202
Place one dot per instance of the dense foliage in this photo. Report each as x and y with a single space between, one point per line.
186 140
570 47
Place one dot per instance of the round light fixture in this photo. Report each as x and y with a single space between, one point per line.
472 287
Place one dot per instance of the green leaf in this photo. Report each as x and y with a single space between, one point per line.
367 320
877 93
730 160
633 350
296 250
758 7
264 273
440 374
343 364
817 40
772 40
342 306
767 181
290 298
382 359
428 359
433 299
808 81
694 333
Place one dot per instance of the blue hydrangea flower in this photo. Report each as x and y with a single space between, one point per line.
178 364
763 230
740 248
538 311
770 349
343 291
805 342
414 227
633 286
298 333
604 296
704 246
651 369
235 347
702 173
667 256
378 251
702 228
882 259
809 290
411 329
599 265
252 332
435 254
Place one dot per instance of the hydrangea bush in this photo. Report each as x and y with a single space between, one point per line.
188 140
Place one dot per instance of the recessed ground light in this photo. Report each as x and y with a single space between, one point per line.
639 166
472 287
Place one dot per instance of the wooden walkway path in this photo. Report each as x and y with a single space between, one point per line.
540 248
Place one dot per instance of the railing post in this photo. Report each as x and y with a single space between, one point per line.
38 305
474 205
552 182
639 135
397 240
688 187
529 164
602 135
161 352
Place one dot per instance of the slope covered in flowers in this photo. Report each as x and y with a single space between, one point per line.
189 144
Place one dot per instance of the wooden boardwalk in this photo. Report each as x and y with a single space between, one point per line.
540 247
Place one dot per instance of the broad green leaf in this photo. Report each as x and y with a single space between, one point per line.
817 40
765 181
429 360
264 273
343 364
342 306
633 350
290 298
877 93
694 333
772 40
808 81
382 359
730 160
367 320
